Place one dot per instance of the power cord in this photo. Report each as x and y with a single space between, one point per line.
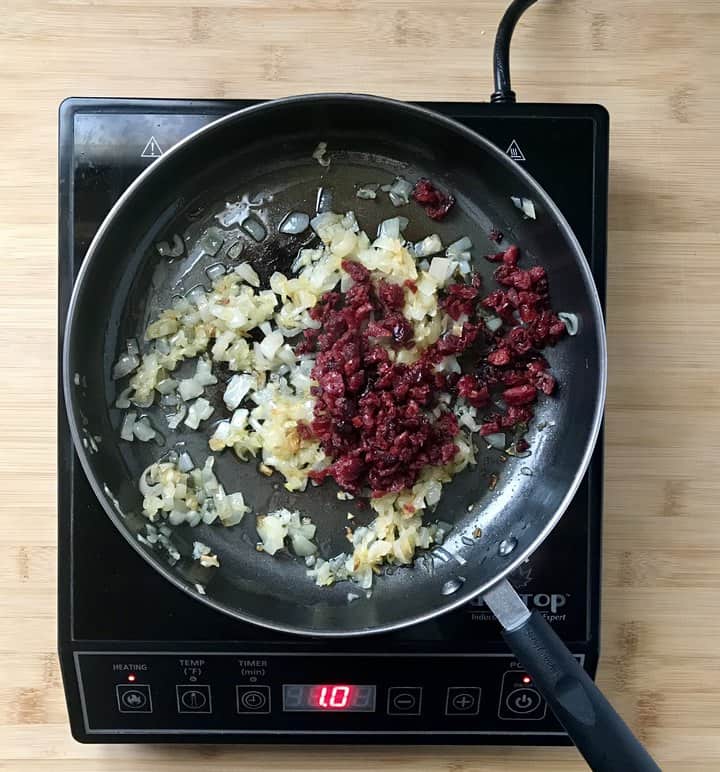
503 93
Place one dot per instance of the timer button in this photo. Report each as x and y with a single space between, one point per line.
253 699
404 700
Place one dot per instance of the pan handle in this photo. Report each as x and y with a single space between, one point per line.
603 738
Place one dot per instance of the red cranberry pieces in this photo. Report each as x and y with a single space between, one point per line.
436 203
460 299
369 415
391 295
374 417
471 389
519 395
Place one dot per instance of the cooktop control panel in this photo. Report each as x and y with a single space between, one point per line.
164 694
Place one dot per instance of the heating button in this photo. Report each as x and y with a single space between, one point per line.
133 698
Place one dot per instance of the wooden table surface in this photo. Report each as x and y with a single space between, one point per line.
654 65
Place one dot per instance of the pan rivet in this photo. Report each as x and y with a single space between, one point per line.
507 546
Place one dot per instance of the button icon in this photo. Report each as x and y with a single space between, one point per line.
193 698
133 698
462 701
523 700
519 700
253 699
404 700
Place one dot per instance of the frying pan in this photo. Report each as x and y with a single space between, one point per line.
264 154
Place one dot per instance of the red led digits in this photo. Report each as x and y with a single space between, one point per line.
340 696
329 698
334 696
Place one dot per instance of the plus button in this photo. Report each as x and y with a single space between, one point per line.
462 701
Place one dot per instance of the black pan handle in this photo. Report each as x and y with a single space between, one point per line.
599 733
603 738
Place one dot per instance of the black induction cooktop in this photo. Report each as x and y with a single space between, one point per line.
144 662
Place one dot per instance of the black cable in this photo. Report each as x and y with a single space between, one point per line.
503 94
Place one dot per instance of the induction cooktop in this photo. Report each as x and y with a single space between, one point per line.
144 662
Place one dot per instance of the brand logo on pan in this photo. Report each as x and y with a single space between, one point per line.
542 601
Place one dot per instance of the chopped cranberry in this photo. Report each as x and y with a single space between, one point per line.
520 395
537 273
402 331
475 392
377 420
516 415
492 426
511 256
546 329
537 364
495 235
498 302
436 203
425 192
357 271
448 424
546 383
356 382
522 445
500 357
519 340
391 295
460 299
452 344
333 384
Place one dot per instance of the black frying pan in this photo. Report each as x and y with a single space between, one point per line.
266 152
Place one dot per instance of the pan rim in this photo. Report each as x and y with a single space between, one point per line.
468 593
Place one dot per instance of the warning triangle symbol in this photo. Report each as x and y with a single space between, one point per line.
514 151
152 149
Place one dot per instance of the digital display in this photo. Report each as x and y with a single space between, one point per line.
337 698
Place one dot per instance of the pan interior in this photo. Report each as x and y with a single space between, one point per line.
264 163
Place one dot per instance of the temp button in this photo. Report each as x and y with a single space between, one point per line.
193 698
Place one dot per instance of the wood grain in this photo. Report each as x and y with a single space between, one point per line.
656 68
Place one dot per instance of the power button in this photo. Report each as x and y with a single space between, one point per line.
519 699
523 701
